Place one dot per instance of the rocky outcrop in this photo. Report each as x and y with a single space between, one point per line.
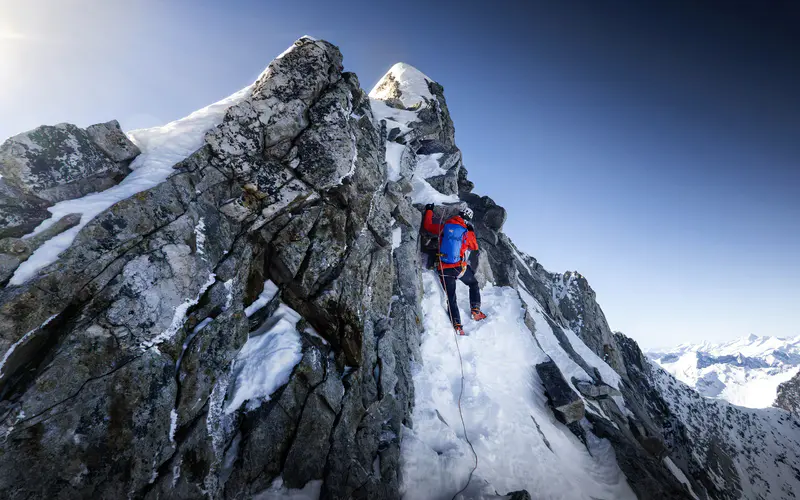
567 405
62 162
119 354
788 396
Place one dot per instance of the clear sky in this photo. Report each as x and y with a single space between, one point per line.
652 146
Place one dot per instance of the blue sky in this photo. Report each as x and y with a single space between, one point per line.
655 150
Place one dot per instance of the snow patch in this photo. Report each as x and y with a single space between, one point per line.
173 425
394 156
267 293
266 360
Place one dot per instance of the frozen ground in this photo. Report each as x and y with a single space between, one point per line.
518 442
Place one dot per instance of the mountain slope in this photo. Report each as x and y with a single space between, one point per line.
260 322
745 372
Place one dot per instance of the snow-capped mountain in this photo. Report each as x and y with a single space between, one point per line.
745 371
245 309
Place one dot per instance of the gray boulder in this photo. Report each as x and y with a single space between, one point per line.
62 162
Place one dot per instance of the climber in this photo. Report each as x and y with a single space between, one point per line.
456 240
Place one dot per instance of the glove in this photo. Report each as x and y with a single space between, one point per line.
429 206
470 227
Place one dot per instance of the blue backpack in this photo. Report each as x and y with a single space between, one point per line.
452 241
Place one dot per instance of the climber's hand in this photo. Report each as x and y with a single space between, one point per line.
429 206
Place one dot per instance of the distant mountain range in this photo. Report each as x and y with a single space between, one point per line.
745 371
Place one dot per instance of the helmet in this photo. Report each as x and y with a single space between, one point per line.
466 212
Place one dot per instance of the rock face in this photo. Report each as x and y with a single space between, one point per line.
300 214
789 395
19 213
64 162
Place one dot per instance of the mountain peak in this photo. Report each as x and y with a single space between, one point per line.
405 83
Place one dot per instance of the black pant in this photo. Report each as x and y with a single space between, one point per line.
449 278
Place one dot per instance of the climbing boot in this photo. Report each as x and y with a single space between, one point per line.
477 315
459 329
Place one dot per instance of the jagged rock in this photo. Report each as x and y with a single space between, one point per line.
567 405
62 162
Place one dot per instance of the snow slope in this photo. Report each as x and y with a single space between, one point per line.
518 442
745 371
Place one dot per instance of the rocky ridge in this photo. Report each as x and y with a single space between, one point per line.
302 209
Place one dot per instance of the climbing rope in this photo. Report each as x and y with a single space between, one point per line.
460 360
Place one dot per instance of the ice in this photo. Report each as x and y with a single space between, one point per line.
267 293
277 491
503 402
162 147
266 360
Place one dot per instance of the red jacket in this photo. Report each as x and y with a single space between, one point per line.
470 242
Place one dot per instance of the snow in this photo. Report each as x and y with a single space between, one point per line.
267 293
503 404
394 155
162 147
277 491
21 341
679 475
397 237
412 83
428 165
266 360
173 425
745 371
